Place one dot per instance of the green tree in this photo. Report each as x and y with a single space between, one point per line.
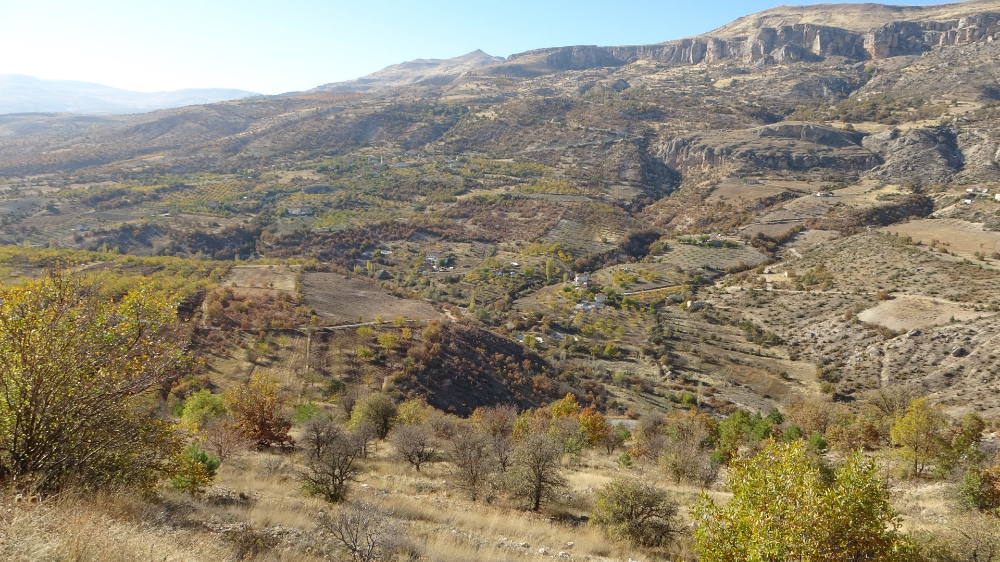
203 406
783 508
919 434
637 512
377 409
195 470
75 368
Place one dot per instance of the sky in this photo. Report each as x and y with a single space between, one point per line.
271 47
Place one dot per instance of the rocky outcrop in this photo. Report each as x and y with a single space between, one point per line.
776 44
921 156
782 146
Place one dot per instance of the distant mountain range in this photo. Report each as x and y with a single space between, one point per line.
26 94
431 72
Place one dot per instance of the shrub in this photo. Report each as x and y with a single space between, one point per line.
364 530
195 470
75 368
257 411
980 487
202 406
783 506
637 512
415 444
472 466
331 456
376 409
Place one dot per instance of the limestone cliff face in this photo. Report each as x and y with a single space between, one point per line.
786 43
782 146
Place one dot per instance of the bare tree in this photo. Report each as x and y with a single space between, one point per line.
224 440
534 474
331 457
497 426
363 529
471 465
415 444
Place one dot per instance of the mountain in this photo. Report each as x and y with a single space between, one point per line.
419 71
26 94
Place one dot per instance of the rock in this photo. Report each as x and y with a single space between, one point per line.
959 352
569 545
874 351
542 551
563 554
913 333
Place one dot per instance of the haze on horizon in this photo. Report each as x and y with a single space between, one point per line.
273 48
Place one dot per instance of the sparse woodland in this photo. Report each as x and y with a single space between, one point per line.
599 304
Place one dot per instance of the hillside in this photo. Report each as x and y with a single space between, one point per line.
650 261
437 72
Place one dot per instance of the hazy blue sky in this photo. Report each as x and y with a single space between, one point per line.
278 46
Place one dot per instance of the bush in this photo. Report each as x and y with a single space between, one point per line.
415 444
331 456
75 368
378 410
364 530
257 411
202 406
472 465
195 470
784 505
637 512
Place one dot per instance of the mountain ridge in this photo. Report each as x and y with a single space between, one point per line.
417 71
21 93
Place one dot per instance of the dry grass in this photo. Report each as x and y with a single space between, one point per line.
105 529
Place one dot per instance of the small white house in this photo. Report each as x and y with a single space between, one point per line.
600 298
581 279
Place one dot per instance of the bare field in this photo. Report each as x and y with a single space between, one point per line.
346 300
908 313
689 256
280 277
735 191
957 236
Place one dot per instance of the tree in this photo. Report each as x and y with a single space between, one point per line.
686 453
637 512
594 425
387 340
377 409
415 444
195 471
331 457
258 411
363 529
496 423
202 406
783 508
616 438
534 475
470 463
919 434
223 439
75 368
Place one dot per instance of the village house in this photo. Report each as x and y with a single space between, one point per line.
600 298
581 279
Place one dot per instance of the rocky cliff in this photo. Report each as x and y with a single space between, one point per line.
800 41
